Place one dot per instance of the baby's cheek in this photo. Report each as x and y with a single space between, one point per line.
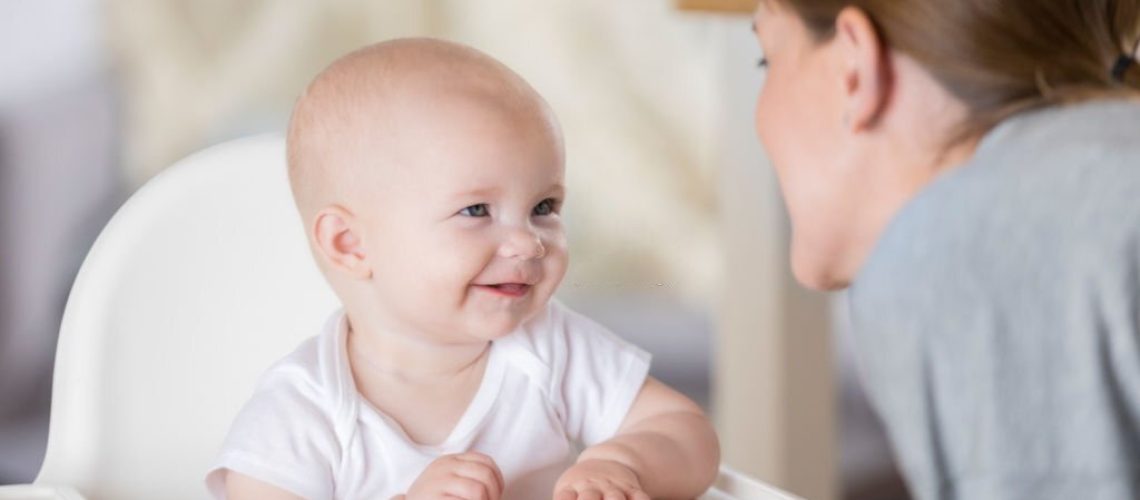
457 270
461 254
556 260
554 240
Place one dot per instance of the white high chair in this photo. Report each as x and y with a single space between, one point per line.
200 281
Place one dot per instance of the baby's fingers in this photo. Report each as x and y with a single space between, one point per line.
468 489
617 493
601 493
590 493
489 464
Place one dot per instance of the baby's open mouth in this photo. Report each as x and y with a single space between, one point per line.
507 289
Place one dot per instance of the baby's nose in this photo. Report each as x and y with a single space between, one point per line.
522 243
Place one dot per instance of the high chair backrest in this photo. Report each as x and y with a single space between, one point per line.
199 282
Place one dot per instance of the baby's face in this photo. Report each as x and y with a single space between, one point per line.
464 228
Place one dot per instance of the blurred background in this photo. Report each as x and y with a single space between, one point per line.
676 227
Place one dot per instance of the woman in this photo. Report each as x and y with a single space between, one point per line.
972 170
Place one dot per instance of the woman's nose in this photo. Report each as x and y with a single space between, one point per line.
522 243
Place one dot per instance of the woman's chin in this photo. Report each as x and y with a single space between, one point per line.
818 272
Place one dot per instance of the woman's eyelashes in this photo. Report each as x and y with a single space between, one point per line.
545 207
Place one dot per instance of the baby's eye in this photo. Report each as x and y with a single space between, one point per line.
546 207
479 210
762 63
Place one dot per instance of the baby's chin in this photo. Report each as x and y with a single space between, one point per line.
498 324
491 332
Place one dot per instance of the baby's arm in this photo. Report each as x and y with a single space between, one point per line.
665 444
242 487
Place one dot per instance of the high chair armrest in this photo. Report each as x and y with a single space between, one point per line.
732 485
38 492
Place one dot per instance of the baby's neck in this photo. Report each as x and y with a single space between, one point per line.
411 358
424 386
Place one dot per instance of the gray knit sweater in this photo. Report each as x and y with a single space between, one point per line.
997 322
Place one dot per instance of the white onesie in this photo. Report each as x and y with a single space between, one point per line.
559 382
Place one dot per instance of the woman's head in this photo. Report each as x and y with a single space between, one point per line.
867 100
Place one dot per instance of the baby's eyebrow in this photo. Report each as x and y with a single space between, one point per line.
476 193
556 190
487 193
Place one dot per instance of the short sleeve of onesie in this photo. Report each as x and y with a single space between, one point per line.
595 375
296 453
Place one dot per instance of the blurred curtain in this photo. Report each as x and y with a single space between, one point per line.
59 181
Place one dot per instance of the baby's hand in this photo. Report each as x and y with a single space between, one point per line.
599 480
469 476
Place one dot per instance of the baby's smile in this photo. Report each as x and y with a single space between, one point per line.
507 289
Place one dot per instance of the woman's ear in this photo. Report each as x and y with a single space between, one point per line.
335 231
866 74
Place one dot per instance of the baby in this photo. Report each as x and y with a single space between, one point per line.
430 181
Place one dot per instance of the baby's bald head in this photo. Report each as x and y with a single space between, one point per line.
354 119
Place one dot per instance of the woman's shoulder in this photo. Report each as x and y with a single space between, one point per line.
1054 189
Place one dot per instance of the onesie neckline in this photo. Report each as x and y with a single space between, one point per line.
473 416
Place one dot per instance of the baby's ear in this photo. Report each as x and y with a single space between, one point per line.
339 244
